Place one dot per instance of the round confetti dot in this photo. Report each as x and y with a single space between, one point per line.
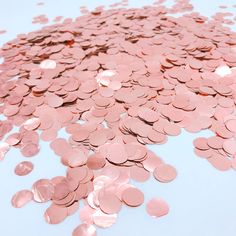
109 203
165 173
21 198
84 230
157 207
55 214
43 190
132 197
24 168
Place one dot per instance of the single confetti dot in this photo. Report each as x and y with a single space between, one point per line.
24 168
133 197
21 198
157 207
85 230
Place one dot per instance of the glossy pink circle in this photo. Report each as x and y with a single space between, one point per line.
157 207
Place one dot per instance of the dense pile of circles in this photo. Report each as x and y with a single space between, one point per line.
117 80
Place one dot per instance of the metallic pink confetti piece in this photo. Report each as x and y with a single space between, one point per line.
43 190
133 197
157 207
84 230
55 214
24 168
165 173
31 124
4 148
109 203
21 198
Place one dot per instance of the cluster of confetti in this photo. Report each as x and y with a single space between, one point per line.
117 80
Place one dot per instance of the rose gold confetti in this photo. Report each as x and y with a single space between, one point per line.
86 214
231 125
40 19
21 198
96 161
98 138
215 142
151 162
43 190
201 143
24 168
116 153
229 146
220 162
30 149
13 139
139 174
57 18
31 124
109 203
76 157
172 129
4 148
165 173
72 209
203 153
84 230
223 71
55 214
148 115
80 135
157 207
133 197
103 220
113 92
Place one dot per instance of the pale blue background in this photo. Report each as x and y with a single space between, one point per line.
202 200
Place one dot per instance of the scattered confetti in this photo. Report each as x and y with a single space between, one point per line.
117 80
85 230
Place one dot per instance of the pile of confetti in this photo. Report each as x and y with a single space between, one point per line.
117 80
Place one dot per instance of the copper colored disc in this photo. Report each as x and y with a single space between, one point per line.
21 198
84 230
220 162
109 203
30 150
43 190
103 220
24 168
96 161
165 173
133 197
55 214
86 213
148 115
116 153
157 207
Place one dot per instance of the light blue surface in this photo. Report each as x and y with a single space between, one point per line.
201 199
